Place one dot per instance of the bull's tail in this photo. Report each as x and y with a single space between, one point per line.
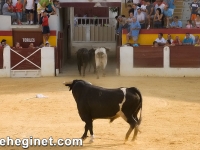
135 90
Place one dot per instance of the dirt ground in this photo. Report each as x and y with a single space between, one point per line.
171 112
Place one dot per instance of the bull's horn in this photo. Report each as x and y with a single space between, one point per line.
65 83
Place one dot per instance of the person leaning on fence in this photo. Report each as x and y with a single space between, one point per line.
17 45
44 21
176 41
161 41
155 44
188 40
41 6
134 31
123 24
3 43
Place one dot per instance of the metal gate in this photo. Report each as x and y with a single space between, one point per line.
25 62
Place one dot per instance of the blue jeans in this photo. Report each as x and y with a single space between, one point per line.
126 26
12 14
19 16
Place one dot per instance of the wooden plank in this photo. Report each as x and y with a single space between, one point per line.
96 30
105 33
80 33
75 33
148 57
109 34
184 57
100 33
92 33
25 65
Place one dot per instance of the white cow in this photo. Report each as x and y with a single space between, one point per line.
100 60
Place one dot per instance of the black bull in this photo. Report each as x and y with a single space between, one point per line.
95 102
85 56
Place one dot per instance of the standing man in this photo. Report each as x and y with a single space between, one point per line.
30 6
194 7
41 6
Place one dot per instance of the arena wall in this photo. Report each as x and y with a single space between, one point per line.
172 66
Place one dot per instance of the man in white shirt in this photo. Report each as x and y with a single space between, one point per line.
161 41
141 18
143 7
29 6
160 4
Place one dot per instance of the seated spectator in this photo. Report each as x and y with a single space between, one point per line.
150 12
3 43
176 23
196 39
170 4
141 18
176 41
31 45
168 15
122 24
7 10
188 40
17 45
168 43
134 30
158 18
169 37
155 44
189 24
197 21
161 41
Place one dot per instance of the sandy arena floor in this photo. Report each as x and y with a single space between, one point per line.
171 113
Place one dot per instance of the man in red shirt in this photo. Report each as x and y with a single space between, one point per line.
44 21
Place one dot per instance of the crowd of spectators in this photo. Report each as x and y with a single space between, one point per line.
3 44
33 9
160 14
189 39
157 14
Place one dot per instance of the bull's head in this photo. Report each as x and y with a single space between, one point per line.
106 48
72 83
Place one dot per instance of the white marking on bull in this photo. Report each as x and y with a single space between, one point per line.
120 113
91 138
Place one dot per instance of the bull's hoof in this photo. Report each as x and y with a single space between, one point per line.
84 137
